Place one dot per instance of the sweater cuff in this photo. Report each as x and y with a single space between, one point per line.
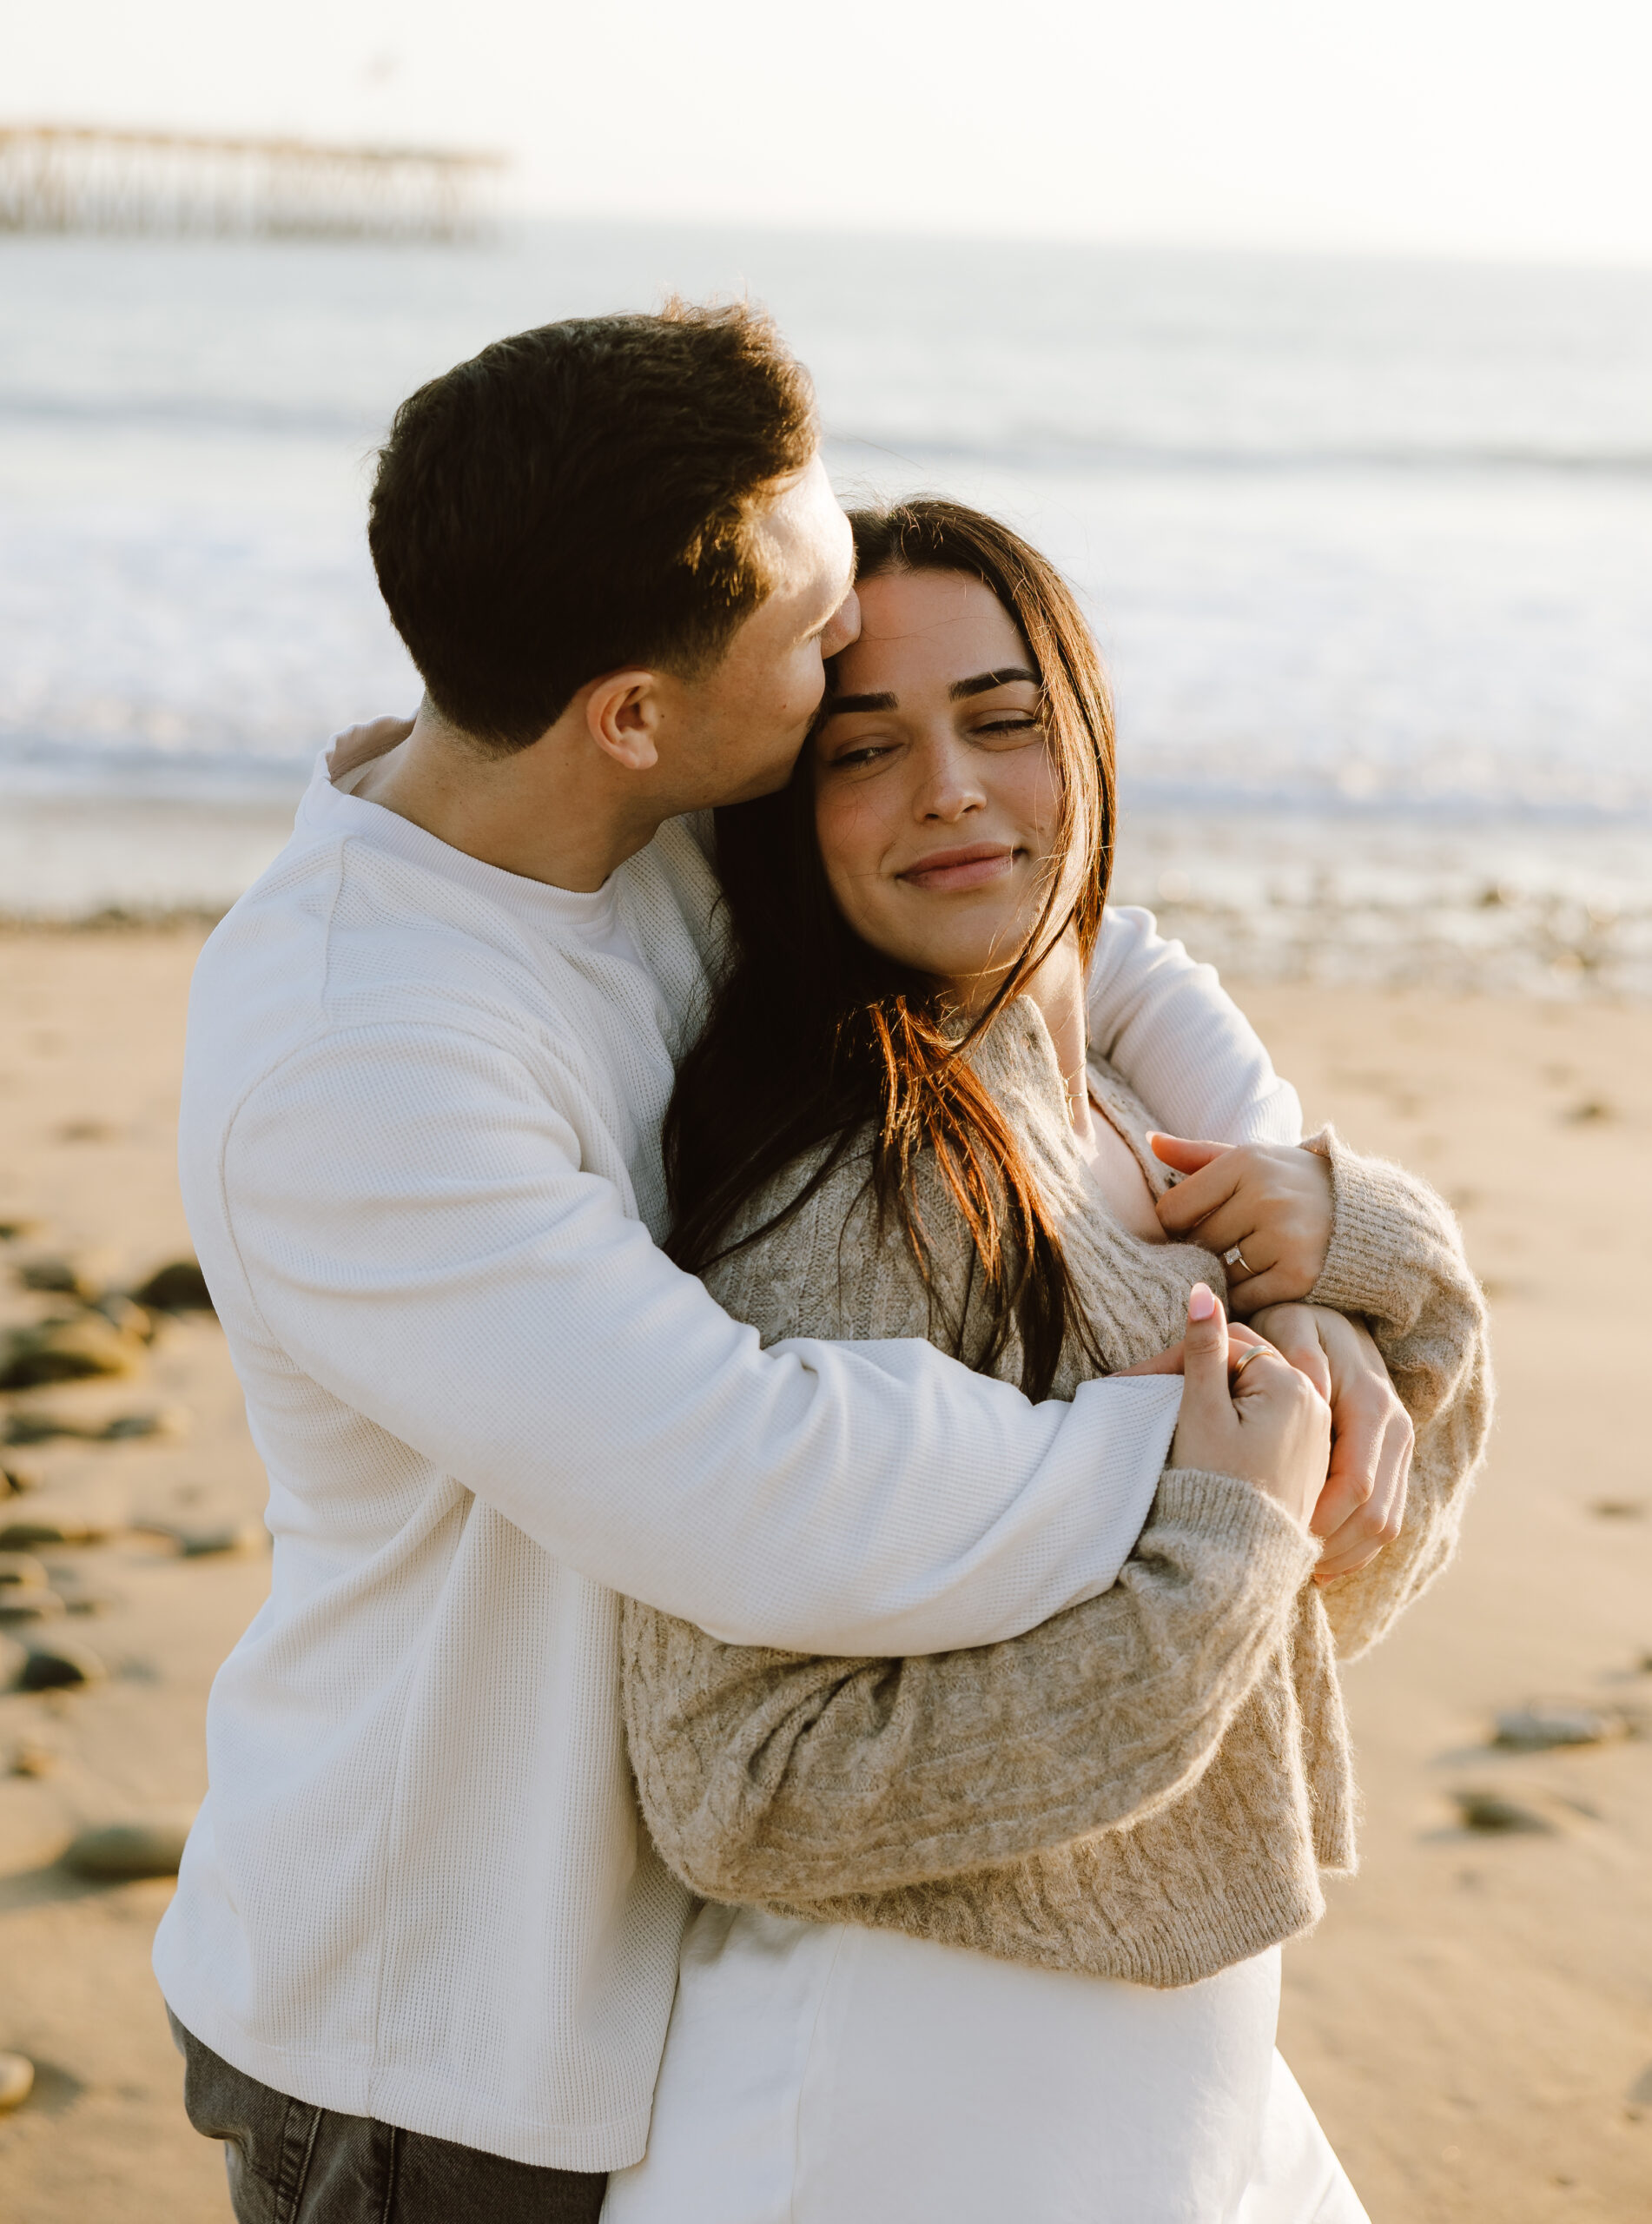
1374 1221
1232 1513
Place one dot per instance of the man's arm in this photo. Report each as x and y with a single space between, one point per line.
1166 1024
1397 1259
416 1231
1170 1028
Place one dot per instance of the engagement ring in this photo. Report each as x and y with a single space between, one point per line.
1235 1257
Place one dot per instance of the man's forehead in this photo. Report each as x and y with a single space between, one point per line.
806 533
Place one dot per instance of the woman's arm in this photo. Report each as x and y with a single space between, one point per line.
771 1776
774 1776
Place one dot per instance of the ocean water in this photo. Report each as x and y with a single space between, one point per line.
1368 547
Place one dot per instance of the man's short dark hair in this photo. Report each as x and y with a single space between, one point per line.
582 498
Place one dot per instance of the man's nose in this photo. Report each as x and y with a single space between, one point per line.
844 627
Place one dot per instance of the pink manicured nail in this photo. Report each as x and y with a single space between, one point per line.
1201 1302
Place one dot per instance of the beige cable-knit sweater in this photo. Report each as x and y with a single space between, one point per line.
1146 1786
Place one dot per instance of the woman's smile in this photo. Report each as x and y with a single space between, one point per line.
952 872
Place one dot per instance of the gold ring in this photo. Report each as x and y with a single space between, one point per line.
1234 1257
1254 1351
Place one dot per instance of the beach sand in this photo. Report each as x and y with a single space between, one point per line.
1473 2020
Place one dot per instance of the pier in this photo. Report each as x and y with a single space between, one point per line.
86 178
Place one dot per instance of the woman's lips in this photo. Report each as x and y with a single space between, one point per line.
951 871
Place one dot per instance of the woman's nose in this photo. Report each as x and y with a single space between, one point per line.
948 789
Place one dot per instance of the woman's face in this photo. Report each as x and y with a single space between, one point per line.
937 797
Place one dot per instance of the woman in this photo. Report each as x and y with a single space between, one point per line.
997 1933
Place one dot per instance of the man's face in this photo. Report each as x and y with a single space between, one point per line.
741 726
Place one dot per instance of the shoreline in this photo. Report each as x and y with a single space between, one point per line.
1310 896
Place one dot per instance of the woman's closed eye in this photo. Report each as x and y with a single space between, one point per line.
1005 728
1009 726
856 756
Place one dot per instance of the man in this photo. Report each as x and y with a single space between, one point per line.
420 1956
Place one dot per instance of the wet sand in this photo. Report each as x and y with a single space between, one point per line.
1472 2018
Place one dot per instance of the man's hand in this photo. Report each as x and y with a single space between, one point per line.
1273 1201
1363 1505
357 745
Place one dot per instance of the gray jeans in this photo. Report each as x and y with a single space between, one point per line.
290 2163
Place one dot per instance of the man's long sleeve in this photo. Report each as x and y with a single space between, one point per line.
1167 1025
420 1238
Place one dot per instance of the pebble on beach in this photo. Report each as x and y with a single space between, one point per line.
1538 1728
121 1313
149 1846
41 1427
13 1660
61 1666
82 1275
68 1350
239 1540
179 1286
78 1601
166 1420
30 1759
79 1597
47 1529
80 1510
18 1605
18 1475
16 2080
22 1571
1491 1811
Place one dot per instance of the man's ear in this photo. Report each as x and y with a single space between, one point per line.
622 715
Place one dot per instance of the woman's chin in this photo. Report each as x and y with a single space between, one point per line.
970 956
965 981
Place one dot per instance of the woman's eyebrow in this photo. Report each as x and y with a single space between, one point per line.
834 705
959 691
983 681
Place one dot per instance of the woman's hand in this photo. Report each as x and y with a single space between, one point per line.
1247 1411
1363 1505
1273 1201
357 745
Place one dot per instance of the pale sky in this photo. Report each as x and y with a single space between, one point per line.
1481 126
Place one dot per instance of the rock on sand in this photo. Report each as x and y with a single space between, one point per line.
61 1666
150 1845
16 2080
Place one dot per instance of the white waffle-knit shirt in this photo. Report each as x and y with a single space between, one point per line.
419 1150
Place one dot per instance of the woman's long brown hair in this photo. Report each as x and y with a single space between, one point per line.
814 1037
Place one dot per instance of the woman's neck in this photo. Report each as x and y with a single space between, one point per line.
1057 988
